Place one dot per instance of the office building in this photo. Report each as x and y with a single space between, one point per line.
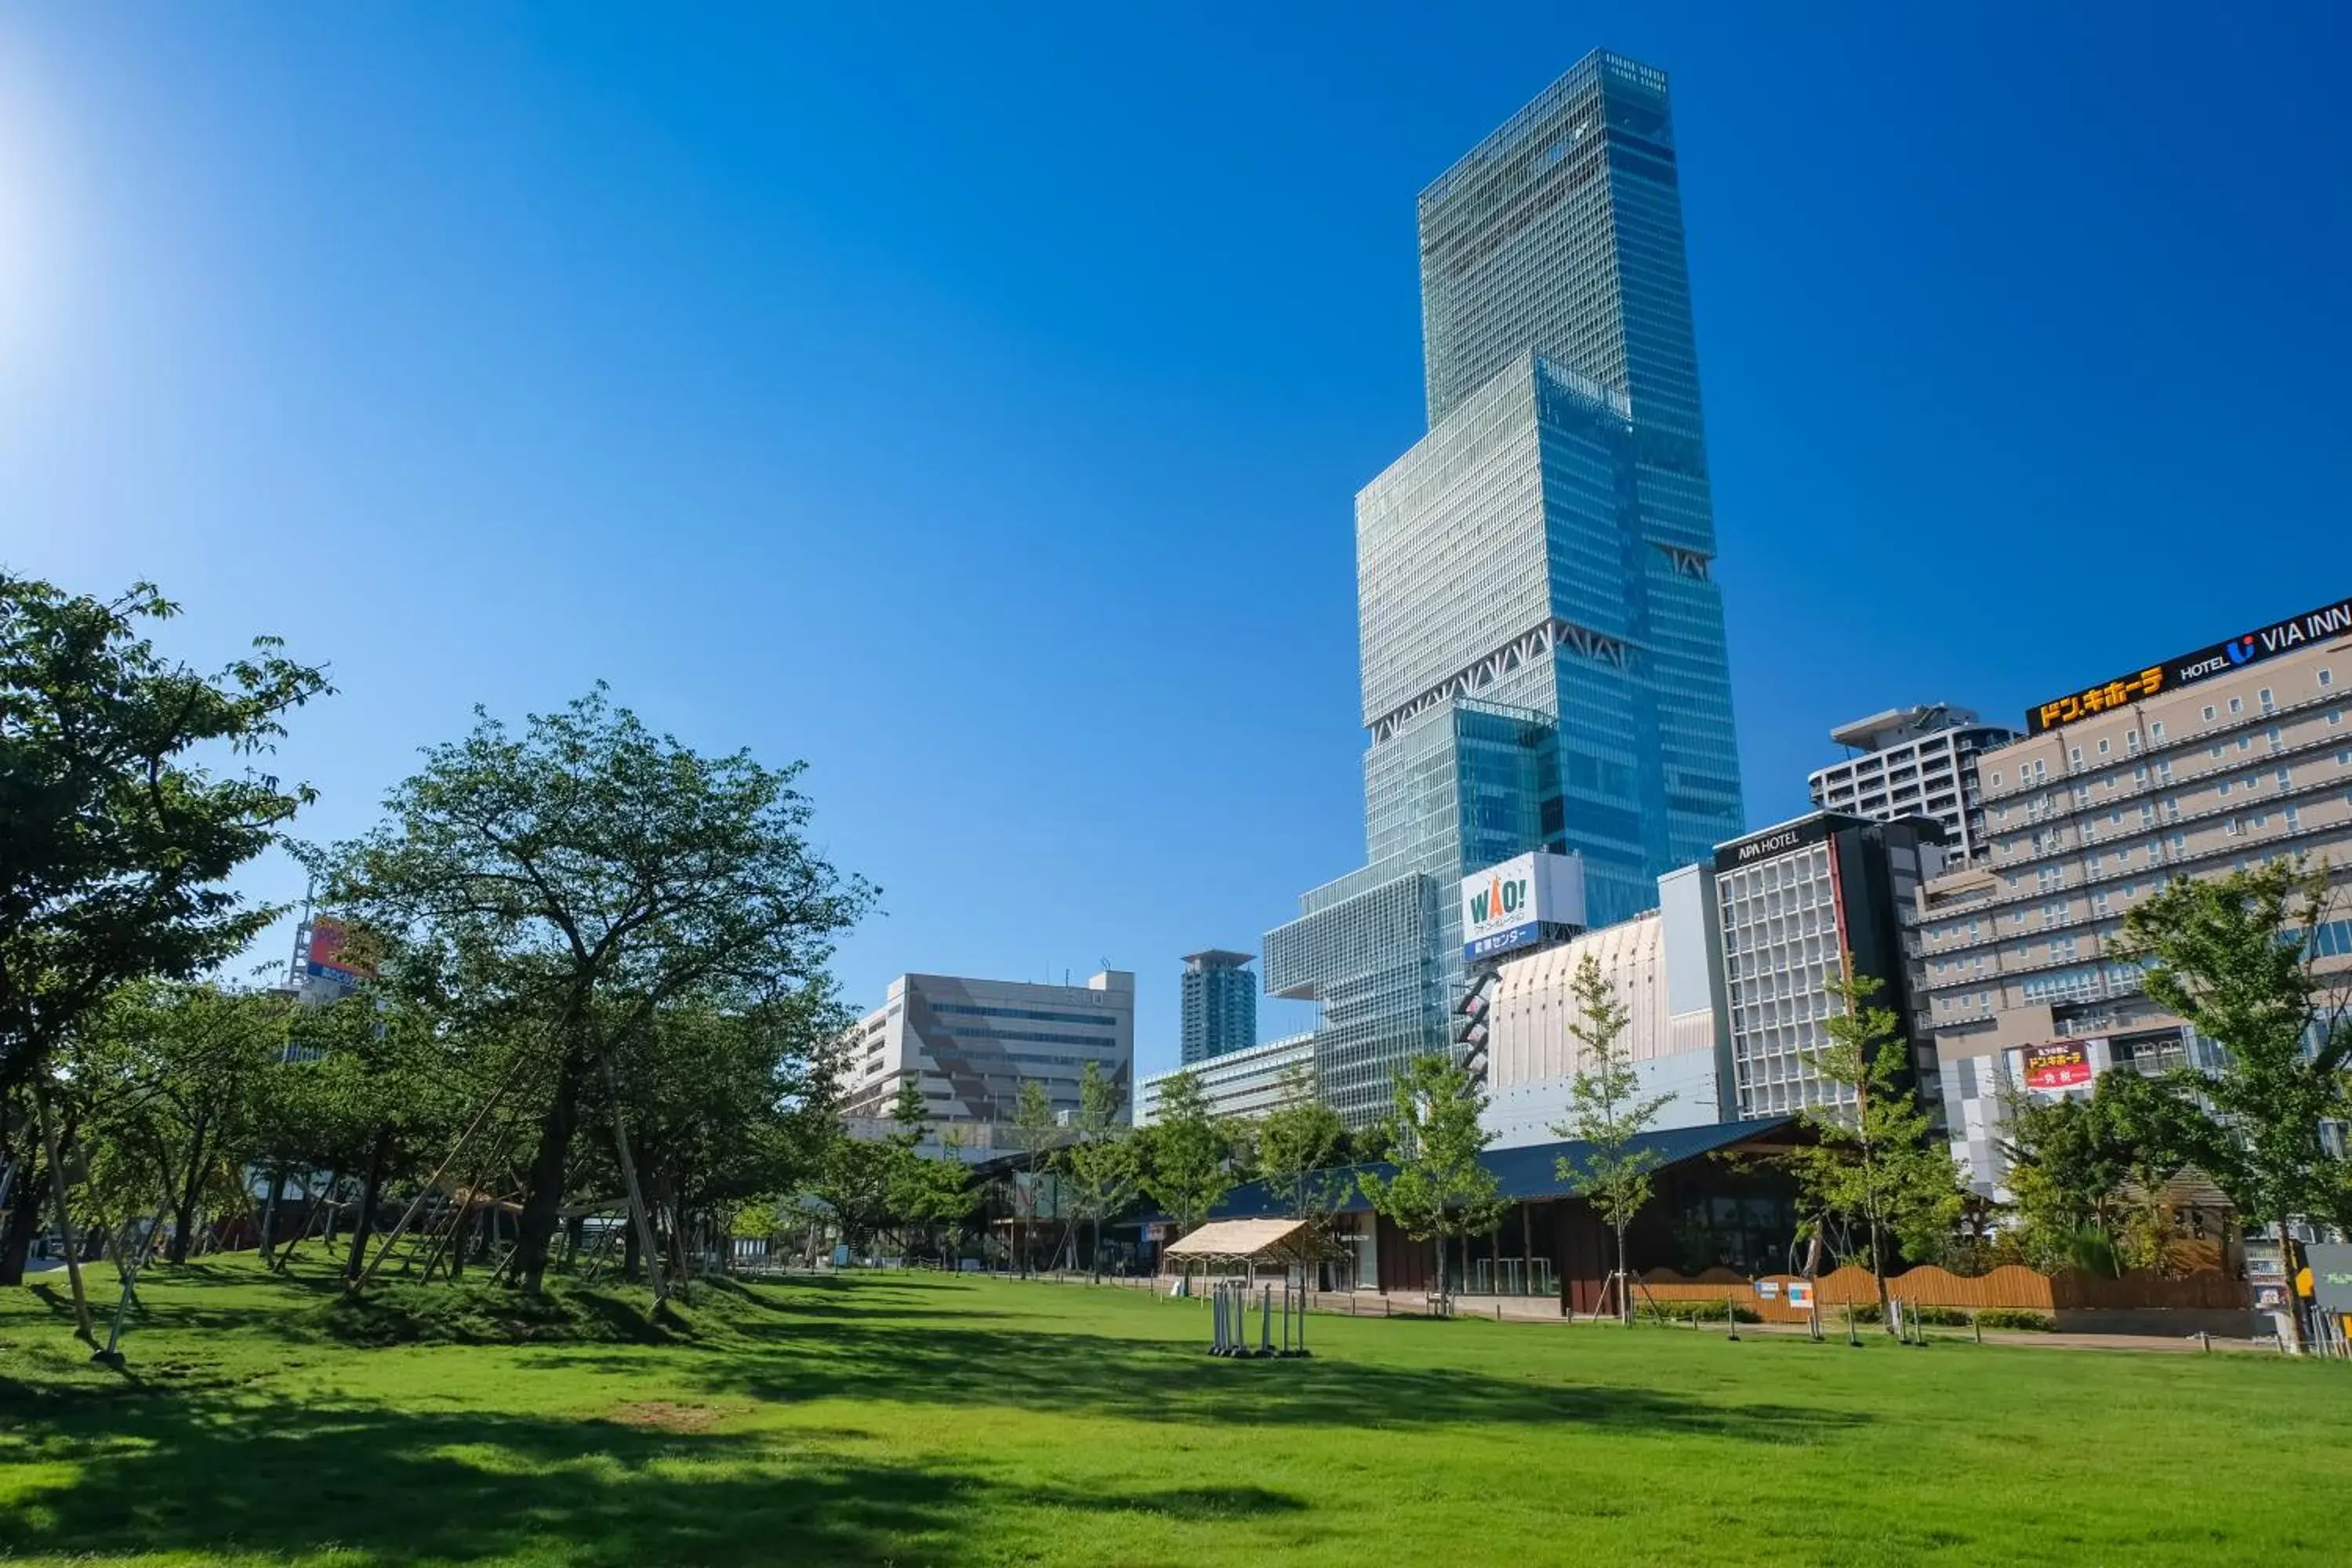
1665 968
1541 639
972 1044
1790 900
1220 1005
1914 761
1248 1082
2198 765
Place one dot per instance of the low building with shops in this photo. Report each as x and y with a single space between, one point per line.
1720 1202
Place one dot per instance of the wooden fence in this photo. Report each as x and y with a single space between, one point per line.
2012 1287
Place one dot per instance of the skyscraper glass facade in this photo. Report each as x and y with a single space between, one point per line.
1542 640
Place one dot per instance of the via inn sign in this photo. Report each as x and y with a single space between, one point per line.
2247 647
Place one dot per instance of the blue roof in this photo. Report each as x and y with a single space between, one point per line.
1527 1173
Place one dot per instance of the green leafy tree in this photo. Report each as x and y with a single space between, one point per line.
1039 1134
117 843
1440 1192
589 873
1187 1154
1298 1145
174 1082
2234 957
1875 1164
1608 1114
1103 1156
2087 1172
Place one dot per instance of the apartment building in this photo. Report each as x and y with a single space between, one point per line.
1914 761
2201 764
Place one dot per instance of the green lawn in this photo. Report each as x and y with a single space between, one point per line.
918 1419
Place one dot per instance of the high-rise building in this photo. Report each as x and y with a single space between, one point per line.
1220 1003
1792 903
971 1045
1542 643
1914 761
2207 762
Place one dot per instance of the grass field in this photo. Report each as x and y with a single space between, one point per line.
920 1419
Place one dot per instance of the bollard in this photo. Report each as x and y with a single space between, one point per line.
2205 1341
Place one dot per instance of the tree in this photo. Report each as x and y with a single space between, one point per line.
2087 1173
1297 1143
2232 956
1038 1130
590 873
171 1080
117 844
1874 1164
1607 1112
1186 1154
1440 1192
1102 1156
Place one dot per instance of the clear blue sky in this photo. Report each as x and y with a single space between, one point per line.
972 399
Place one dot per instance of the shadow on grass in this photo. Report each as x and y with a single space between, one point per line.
194 1474
802 1355
199 1474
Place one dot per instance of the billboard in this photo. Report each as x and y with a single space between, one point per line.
2331 1275
330 971
2054 1069
2247 647
1521 902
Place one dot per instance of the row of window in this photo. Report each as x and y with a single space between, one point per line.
966 1010
2034 771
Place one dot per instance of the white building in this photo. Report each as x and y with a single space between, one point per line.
1915 762
1663 968
1248 1082
971 1044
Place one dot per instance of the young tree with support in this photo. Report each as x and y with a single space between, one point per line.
1875 1163
1609 1113
1440 1192
1101 1158
1040 1135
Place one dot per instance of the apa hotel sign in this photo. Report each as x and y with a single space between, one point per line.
2247 647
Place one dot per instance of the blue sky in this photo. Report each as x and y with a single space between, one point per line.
970 400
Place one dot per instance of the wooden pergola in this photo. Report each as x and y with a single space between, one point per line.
1238 1243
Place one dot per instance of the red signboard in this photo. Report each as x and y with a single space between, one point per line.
2051 1069
326 958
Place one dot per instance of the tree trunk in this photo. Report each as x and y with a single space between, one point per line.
23 1220
364 1223
266 1241
1878 1272
2294 1312
543 1183
576 1234
631 1253
1624 1281
184 1206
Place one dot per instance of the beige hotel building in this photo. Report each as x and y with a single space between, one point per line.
2194 766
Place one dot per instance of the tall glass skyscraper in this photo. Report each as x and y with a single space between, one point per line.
1541 637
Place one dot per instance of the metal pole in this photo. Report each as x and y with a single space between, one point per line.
1265 1322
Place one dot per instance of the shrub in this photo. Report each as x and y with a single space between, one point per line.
2017 1318
1703 1311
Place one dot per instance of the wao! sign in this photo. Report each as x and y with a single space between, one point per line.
1510 906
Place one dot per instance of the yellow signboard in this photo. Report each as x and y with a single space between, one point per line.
2099 698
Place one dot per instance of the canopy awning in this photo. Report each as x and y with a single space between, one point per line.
1250 1241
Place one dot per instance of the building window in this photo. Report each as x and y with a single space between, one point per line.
2334 717
2102 748
2156 731
2209 712
2326 678
2237 705
2268 706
